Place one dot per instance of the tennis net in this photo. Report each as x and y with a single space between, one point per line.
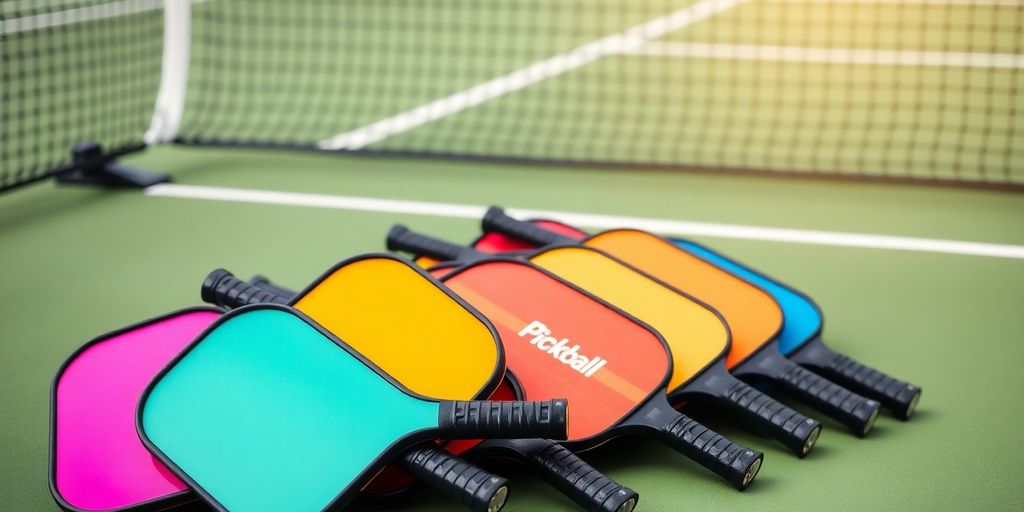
889 89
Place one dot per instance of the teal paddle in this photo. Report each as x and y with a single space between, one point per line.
267 411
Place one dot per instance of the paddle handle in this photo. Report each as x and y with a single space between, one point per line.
264 283
850 409
401 238
735 463
221 288
798 432
898 396
586 486
477 489
496 221
492 419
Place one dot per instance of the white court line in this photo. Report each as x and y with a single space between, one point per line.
527 76
82 14
662 226
829 55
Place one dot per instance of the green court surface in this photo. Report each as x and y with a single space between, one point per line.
78 262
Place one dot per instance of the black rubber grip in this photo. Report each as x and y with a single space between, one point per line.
798 432
221 288
496 221
477 489
264 283
400 238
576 479
735 463
492 419
849 408
899 397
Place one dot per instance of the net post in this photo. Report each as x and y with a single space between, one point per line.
170 99
90 166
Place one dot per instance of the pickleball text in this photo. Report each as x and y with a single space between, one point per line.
560 349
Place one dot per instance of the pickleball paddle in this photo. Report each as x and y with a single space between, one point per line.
801 338
560 467
266 410
378 303
96 459
98 463
753 316
696 335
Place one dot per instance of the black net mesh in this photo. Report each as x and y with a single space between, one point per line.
74 71
911 88
919 89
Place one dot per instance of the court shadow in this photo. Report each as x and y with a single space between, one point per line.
889 426
721 420
821 451
919 415
830 427
647 453
520 483
183 162
763 484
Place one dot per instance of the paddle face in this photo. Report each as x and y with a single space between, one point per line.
803 318
409 325
695 334
96 459
561 342
753 316
267 411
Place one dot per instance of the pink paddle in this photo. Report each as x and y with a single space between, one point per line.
96 459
